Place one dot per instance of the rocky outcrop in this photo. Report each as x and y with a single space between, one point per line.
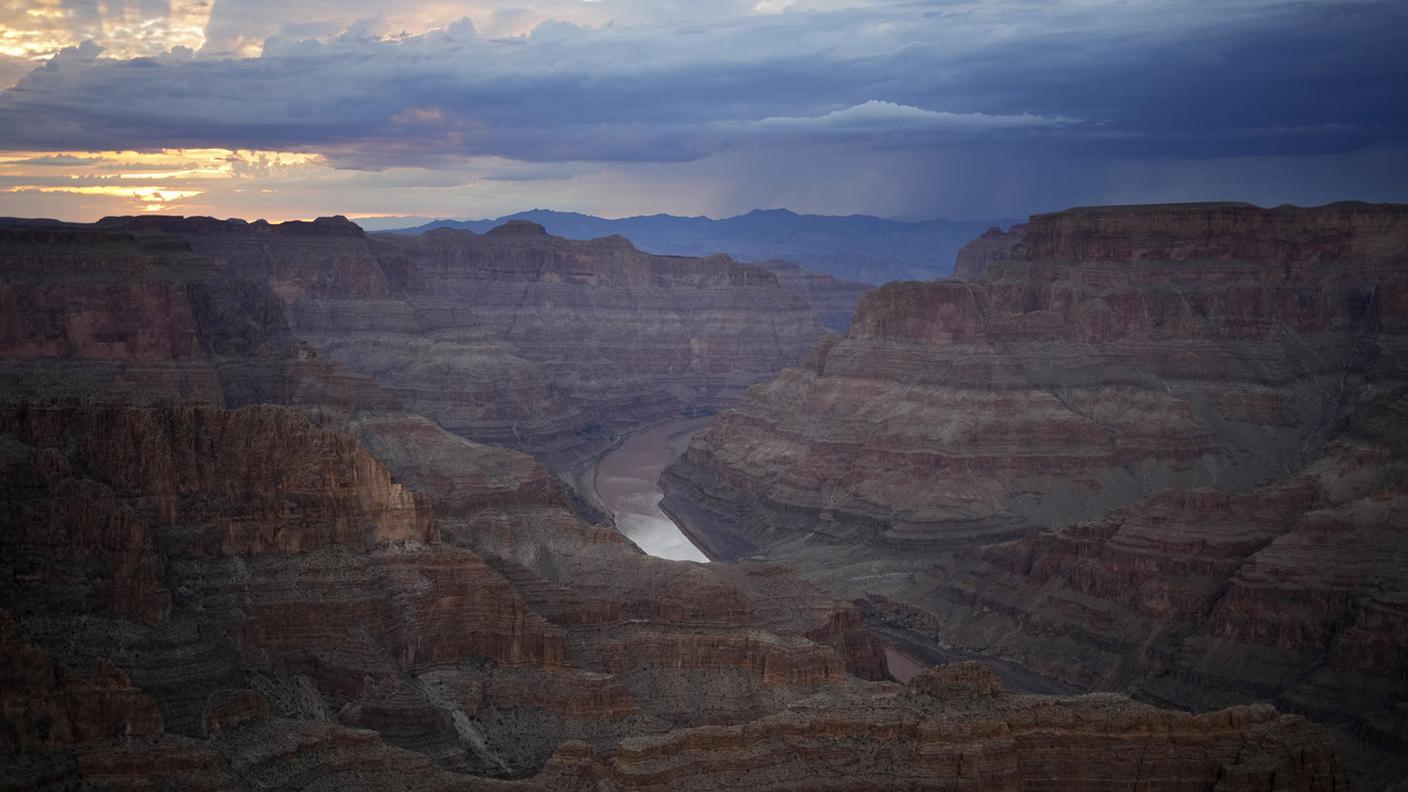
297 488
1155 449
250 566
1290 592
1285 236
994 245
47 704
328 257
1050 392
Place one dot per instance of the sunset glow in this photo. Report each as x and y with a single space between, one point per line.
158 181
618 107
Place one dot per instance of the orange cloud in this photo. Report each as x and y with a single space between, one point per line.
146 181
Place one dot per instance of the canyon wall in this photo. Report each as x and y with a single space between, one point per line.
227 562
833 299
219 567
1155 449
620 337
518 338
232 566
993 246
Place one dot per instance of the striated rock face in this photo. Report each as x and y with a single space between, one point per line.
834 300
244 566
1155 449
994 245
935 735
958 681
179 463
1050 392
518 338
1291 592
1281 237
586 334
1286 235
251 568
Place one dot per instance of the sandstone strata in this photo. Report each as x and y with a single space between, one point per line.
218 568
833 299
993 246
344 557
1156 449
229 563
518 338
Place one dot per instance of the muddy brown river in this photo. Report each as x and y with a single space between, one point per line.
626 484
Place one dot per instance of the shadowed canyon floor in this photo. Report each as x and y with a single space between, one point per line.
242 548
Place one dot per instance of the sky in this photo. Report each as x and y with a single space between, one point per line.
967 109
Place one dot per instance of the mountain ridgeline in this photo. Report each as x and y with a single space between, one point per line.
851 247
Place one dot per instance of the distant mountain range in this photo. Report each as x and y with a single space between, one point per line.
852 247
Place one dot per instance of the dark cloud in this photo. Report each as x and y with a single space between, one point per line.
1266 79
1070 89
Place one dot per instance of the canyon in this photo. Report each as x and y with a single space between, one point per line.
296 507
1158 450
520 339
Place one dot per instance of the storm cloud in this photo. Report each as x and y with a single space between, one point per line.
1084 93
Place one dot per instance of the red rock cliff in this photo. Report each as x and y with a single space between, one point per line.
1151 448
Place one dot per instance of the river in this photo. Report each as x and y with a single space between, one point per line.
626 483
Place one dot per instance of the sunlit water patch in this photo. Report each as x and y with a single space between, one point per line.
626 483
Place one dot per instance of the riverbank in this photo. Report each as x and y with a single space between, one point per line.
627 482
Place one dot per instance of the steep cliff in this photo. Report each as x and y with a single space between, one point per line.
1150 448
833 299
993 246
518 338
217 568
598 334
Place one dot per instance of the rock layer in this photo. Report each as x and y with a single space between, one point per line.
833 299
993 246
518 338
203 554
276 576
1155 449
